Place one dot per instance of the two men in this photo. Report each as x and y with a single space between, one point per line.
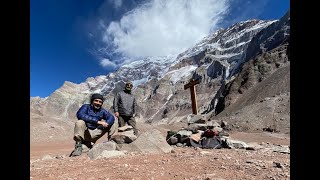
94 121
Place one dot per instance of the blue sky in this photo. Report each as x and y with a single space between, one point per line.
72 40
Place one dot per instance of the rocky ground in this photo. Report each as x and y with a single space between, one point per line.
51 143
49 160
256 106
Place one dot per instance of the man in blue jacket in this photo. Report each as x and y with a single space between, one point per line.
93 122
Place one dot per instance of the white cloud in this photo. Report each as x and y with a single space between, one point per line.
163 27
107 63
116 3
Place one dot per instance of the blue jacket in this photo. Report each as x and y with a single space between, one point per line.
87 114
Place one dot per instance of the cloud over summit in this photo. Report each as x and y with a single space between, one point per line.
163 27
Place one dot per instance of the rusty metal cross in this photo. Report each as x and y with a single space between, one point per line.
191 85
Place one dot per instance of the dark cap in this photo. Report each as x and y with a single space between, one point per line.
96 96
129 83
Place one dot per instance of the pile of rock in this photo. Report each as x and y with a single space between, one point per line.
197 125
124 141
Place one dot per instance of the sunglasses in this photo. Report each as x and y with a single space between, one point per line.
129 85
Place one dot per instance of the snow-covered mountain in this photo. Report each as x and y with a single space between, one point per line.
216 61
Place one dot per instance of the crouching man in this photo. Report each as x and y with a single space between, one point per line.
93 122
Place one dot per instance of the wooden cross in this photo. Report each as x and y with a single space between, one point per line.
191 85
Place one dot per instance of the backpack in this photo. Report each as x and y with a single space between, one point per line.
172 138
211 142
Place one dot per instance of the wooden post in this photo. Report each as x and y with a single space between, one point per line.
191 85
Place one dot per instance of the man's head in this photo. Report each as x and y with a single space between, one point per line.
96 100
128 86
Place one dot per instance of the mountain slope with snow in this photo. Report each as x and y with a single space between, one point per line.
217 61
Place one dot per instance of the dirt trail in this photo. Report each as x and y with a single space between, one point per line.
186 163
38 150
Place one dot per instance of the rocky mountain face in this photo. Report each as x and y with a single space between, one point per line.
244 74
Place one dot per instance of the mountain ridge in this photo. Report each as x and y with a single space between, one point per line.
253 49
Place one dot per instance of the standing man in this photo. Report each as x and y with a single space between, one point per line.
125 106
93 122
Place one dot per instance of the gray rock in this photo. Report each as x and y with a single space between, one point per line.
151 141
99 148
193 118
124 137
236 144
109 154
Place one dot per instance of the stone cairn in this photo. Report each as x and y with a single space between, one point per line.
197 125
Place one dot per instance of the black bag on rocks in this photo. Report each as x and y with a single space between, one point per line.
171 138
211 143
211 140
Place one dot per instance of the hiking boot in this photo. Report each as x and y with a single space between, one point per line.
86 146
77 150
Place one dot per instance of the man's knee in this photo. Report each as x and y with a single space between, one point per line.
113 129
96 134
80 123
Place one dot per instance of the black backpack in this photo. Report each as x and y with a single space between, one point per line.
211 142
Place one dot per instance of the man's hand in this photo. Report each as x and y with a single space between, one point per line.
116 114
103 123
